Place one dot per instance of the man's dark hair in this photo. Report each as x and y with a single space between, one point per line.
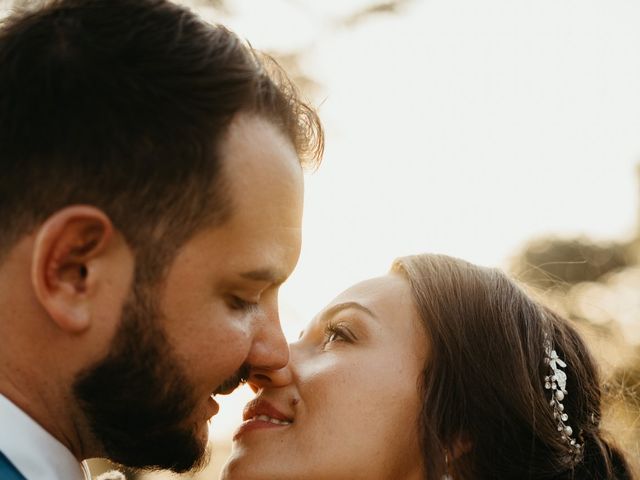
122 104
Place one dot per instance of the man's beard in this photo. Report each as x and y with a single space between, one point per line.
138 399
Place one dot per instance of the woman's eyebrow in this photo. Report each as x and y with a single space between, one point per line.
335 309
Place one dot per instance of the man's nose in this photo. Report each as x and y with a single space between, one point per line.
269 350
261 378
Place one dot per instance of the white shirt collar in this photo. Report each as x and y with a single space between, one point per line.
33 451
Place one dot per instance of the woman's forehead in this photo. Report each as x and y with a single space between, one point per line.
375 289
384 297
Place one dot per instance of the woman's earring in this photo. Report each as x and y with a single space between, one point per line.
446 476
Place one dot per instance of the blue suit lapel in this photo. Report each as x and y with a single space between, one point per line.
7 470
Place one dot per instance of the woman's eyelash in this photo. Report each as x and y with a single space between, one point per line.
337 332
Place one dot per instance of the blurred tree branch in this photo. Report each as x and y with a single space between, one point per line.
377 8
291 60
558 263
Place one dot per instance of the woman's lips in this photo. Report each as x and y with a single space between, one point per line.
258 423
260 414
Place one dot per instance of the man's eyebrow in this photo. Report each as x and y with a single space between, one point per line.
267 275
335 309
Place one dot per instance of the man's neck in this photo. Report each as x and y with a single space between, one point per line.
49 410
32 450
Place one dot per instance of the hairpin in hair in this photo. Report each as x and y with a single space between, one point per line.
557 383
446 476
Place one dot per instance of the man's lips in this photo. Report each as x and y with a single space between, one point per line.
225 388
212 407
231 383
260 414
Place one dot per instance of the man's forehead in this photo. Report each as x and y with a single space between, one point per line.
259 162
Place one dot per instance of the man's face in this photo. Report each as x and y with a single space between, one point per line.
214 314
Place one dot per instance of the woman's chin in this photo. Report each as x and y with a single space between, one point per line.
245 464
233 469
238 460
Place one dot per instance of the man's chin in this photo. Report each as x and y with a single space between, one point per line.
202 436
195 453
180 452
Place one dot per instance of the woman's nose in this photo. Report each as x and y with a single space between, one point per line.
261 378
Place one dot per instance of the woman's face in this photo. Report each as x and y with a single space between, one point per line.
346 406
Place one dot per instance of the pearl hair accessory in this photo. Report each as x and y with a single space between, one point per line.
446 476
556 382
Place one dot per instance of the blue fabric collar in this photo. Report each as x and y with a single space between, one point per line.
7 470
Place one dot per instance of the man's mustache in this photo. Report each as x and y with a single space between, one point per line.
231 383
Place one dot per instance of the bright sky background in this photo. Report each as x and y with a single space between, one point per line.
463 127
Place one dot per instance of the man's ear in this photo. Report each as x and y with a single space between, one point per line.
67 251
